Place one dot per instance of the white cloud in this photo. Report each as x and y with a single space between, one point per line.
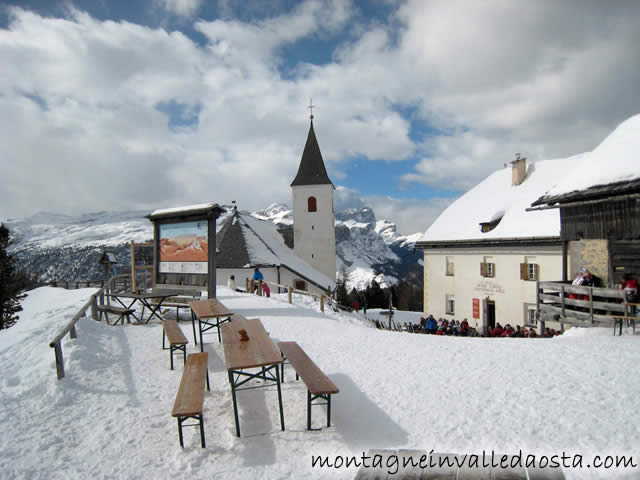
80 128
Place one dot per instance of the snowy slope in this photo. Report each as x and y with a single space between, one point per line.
111 415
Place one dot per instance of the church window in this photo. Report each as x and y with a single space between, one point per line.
311 204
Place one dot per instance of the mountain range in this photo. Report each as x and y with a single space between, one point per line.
60 247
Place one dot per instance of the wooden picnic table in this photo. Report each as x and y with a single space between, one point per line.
211 313
259 352
157 294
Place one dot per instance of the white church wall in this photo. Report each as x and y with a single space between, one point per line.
314 233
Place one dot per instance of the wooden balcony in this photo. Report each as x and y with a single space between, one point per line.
583 306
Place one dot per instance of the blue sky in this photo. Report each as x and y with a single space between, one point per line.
172 102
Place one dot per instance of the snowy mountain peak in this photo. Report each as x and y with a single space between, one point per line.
278 213
359 215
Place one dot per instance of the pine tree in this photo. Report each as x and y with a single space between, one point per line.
10 295
342 295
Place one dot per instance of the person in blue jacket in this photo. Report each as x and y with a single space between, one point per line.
257 274
432 325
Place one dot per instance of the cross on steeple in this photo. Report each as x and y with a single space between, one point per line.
310 107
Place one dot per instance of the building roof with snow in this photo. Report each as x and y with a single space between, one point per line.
186 211
611 169
311 170
501 206
246 242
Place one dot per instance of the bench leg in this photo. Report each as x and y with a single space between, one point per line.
328 410
308 410
208 387
180 420
280 399
171 350
200 419
202 430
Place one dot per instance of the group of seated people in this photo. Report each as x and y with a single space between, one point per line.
522 332
454 327
445 327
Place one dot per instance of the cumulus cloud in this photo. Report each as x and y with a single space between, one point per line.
84 102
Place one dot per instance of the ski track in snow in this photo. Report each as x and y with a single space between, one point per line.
110 417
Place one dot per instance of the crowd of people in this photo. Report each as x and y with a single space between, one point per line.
442 326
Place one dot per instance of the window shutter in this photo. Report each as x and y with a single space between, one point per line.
483 269
523 271
493 270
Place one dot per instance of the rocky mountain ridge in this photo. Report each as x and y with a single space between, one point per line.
61 247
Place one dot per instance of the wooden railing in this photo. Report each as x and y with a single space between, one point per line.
582 306
252 285
116 284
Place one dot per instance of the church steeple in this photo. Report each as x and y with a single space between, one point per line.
311 170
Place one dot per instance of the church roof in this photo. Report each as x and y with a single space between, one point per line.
311 170
246 242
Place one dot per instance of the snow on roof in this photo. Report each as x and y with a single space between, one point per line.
187 208
265 246
495 198
616 159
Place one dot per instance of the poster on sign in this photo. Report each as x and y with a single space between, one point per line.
184 247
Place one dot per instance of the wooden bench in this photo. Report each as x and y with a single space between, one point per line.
178 303
120 311
190 398
177 340
319 386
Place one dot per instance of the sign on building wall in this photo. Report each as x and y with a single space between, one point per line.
476 308
488 287
183 247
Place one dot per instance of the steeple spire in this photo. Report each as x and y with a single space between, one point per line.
311 170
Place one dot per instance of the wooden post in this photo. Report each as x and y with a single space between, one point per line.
133 269
252 284
290 294
94 307
246 284
59 361
260 288
322 303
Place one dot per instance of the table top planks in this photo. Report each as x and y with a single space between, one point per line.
209 308
258 351
190 395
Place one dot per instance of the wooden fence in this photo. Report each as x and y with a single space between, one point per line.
253 285
116 284
582 306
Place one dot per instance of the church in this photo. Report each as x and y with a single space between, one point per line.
245 242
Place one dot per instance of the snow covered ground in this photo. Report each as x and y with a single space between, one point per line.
110 417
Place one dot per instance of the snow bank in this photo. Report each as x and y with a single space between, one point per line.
111 415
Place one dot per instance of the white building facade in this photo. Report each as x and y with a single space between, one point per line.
489 284
485 252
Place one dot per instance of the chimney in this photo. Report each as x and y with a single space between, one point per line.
518 170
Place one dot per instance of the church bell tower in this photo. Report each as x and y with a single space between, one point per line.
314 238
